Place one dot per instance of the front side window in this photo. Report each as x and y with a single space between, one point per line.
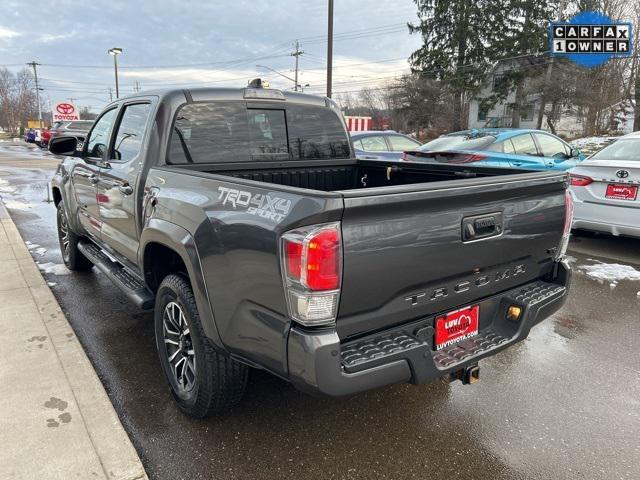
402 144
524 144
99 136
130 132
551 147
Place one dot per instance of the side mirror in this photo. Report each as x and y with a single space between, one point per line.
63 146
575 152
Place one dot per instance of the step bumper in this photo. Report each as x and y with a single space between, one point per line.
320 364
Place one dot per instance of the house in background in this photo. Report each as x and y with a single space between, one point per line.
616 118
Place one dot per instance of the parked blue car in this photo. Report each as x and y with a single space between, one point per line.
383 145
502 147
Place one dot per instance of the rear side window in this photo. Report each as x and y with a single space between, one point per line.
229 132
507 146
374 144
524 144
401 144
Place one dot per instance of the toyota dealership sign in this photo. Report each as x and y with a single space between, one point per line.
65 111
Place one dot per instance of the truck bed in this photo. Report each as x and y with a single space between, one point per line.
358 174
403 230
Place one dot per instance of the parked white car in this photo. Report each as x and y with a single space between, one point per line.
605 189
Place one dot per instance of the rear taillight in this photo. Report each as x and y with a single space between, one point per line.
580 180
568 220
312 270
475 157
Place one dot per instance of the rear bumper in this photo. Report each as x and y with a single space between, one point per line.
611 219
320 364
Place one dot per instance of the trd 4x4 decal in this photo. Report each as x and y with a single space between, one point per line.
265 206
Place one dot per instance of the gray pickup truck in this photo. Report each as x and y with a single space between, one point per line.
243 218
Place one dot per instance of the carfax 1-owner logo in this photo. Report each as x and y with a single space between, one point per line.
591 39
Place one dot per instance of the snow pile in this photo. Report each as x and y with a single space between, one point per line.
35 248
589 145
55 268
610 272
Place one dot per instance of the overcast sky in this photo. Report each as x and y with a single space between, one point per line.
202 43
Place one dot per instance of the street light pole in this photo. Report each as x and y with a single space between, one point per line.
330 50
115 51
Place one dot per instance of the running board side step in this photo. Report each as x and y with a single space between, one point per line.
125 281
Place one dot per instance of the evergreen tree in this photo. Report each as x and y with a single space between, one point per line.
457 37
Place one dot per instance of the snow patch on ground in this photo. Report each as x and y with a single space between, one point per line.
55 268
610 272
35 248
15 205
589 145
5 187
51 284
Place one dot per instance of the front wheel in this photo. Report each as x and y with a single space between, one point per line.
71 255
203 381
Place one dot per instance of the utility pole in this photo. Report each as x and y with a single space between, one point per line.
110 95
34 64
137 86
297 54
330 50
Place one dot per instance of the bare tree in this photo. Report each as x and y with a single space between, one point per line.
17 99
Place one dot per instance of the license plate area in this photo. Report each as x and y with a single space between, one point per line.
456 326
618 191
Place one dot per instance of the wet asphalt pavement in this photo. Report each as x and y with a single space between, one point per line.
565 403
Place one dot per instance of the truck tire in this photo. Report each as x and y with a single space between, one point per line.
71 256
202 380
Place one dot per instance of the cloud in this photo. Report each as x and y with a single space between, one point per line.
7 33
50 37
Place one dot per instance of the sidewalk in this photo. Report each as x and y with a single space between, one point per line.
57 421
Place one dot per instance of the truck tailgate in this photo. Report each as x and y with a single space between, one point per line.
405 257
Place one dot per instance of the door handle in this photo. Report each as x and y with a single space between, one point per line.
93 179
126 189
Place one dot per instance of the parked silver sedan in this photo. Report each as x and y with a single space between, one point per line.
605 188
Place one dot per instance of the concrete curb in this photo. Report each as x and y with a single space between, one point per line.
117 457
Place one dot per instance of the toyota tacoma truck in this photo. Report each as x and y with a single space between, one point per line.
242 217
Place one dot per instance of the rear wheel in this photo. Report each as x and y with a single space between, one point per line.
203 381
71 256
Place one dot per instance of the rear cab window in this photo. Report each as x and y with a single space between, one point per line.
229 132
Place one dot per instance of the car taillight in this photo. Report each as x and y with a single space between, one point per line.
580 180
475 157
312 270
568 220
